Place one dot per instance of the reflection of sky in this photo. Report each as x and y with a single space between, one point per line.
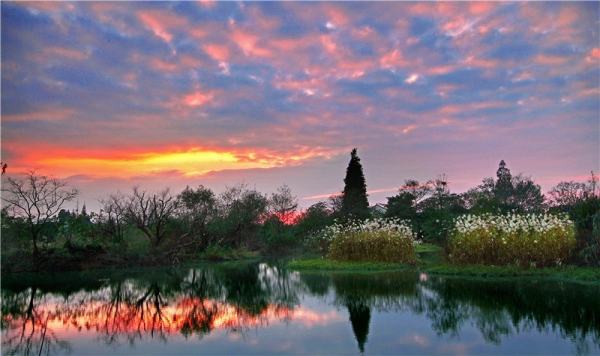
315 325
388 332
117 94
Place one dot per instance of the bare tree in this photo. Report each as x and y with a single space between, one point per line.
37 199
283 204
113 216
151 212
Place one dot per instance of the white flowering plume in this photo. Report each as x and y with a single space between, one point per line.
528 240
395 227
513 223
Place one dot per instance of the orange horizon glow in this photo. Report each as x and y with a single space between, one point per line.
187 162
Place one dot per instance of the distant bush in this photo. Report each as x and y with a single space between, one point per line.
533 240
371 240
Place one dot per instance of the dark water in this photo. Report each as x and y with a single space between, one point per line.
263 308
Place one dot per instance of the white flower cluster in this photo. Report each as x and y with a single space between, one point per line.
395 227
513 223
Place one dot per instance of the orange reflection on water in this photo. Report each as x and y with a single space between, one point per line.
151 315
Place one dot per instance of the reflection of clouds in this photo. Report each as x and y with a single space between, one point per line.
415 339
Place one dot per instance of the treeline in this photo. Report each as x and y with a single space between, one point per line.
143 227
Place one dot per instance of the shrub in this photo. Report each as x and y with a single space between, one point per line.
527 240
371 240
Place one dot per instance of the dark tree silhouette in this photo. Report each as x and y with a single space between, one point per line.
504 187
360 316
354 196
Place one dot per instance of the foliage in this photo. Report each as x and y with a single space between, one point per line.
239 213
222 253
277 236
507 194
534 240
354 196
283 205
372 240
313 220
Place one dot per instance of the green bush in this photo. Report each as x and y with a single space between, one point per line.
533 240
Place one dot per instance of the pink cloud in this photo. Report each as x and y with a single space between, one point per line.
198 98
217 52
161 23
248 43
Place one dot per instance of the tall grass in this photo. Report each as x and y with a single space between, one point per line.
377 240
533 240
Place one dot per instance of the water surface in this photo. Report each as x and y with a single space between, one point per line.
259 308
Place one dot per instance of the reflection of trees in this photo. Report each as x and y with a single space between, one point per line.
155 305
361 292
360 316
197 301
499 307
25 327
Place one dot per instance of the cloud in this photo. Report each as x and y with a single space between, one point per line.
298 83
411 79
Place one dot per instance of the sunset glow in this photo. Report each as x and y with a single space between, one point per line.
219 93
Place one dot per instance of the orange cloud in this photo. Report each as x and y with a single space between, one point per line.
133 162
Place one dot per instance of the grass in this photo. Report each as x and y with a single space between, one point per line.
427 248
565 273
322 264
431 261
217 253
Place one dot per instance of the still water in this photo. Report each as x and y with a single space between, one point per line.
260 308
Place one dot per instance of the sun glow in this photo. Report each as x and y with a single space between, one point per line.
188 163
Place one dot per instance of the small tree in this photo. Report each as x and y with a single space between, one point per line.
195 209
113 216
283 204
37 199
240 210
503 188
150 213
354 201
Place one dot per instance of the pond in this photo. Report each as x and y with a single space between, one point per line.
262 308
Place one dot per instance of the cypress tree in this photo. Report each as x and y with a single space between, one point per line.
354 202
503 188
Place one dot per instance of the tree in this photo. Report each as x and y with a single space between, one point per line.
354 201
437 212
401 206
37 199
113 216
150 213
567 194
239 212
526 196
196 207
283 204
503 188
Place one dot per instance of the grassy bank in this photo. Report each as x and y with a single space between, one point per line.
431 261
566 273
323 264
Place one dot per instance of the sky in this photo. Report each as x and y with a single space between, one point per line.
108 95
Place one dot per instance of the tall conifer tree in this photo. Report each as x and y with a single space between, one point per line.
355 202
